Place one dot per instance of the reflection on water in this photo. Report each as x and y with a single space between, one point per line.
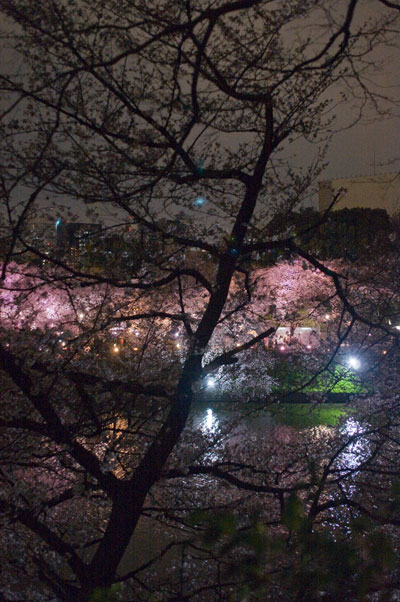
356 450
282 423
210 423
329 433
351 427
283 440
357 447
208 418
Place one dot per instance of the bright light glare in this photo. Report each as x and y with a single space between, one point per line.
354 362
210 382
397 327
209 419
209 426
282 348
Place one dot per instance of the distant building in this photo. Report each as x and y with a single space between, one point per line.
39 231
110 250
73 237
369 192
38 236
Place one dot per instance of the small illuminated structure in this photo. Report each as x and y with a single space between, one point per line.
210 382
115 348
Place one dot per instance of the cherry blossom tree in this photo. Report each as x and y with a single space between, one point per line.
174 123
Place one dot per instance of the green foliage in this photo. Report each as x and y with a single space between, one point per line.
106 594
216 525
312 562
338 380
223 534
305 415
292 516
394 498
351 234
357 233
295 376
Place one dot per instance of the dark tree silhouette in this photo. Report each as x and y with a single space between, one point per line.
167 118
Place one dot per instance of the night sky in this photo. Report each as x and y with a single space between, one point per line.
370 147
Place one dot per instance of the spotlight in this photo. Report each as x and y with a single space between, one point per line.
354 362
210 382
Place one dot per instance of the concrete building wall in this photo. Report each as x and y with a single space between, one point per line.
370 192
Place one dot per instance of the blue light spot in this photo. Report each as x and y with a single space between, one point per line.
234 252
200 168
200 201
58 222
